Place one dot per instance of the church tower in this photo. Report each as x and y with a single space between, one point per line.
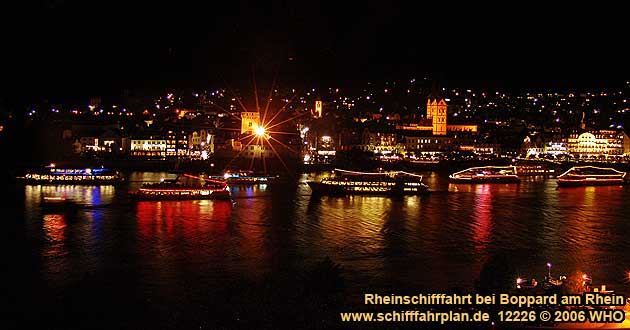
436 111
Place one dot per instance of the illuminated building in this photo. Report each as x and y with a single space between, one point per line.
201 143
325 150
86 143
436 111
176 144
426 144
598 143
148 146
556 148
437 120
249 121
317 112
380 142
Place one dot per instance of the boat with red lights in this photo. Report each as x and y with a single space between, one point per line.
184 187
486 174
83 176
591 176
386 183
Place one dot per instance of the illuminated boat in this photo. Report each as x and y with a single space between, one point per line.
591 176
88 176
387 183
184 187
534 170
486 174
58 203
245 177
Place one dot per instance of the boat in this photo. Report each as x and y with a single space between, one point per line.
244 177
184 187
486 174
58 203
534 170
386 183
87 176
591 176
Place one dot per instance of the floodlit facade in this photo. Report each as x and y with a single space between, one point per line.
149 146
598 143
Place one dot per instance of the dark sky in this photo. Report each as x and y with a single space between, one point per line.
76 48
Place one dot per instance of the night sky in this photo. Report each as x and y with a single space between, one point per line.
60 48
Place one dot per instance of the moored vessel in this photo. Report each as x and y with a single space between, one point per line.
245 178
486 174
386 183
591 176
58 203
184 187
86 176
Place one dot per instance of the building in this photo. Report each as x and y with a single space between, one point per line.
436 120
249 121
380 142
423 143
594 144
318 110
176 143
256 151
148 146
436 111
201 143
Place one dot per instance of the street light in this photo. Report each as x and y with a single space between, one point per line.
549 273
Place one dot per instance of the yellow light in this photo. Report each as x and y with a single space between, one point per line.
259 131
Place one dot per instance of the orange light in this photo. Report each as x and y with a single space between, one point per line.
260 131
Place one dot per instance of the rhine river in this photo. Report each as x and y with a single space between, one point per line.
114 263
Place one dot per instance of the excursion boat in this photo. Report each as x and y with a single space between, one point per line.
245 177
386 183
184 187
88 176
591 176
486 174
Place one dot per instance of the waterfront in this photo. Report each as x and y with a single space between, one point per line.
191 262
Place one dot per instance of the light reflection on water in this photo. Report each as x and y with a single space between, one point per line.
434 242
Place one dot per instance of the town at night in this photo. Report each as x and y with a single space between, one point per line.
289 165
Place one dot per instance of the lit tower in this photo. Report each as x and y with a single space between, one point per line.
317 112
249 121
436 111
